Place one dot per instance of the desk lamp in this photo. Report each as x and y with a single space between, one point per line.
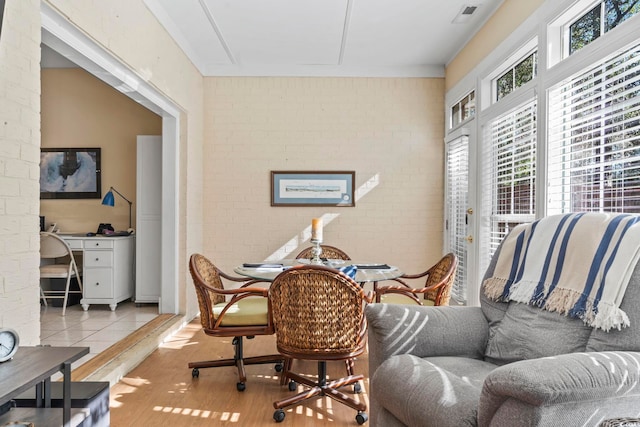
109 200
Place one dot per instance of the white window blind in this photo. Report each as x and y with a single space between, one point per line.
457 203
594 138
509 171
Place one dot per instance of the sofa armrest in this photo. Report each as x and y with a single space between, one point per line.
566 380
424 331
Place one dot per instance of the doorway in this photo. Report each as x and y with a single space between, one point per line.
59 35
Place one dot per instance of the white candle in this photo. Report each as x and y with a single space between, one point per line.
316 229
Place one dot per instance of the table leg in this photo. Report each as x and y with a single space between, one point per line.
66 394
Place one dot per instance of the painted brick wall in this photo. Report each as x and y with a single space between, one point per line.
390 131
19 172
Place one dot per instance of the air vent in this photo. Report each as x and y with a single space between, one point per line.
465 14
468 10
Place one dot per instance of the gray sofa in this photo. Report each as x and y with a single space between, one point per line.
500 364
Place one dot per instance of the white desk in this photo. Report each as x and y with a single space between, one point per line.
107 268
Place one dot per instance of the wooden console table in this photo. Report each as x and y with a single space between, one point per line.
33 367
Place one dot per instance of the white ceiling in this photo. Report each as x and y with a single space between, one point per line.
403 38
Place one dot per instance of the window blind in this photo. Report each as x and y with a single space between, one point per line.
457 193
594 138
509 170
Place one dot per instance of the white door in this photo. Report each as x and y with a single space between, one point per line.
148 219
458 212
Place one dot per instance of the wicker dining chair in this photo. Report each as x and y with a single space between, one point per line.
318 314
328 252
245 314
436 290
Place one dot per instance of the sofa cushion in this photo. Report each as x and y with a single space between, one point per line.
527 332
434 391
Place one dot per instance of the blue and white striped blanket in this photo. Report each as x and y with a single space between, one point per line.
575 264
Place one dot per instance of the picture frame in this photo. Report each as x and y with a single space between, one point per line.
313 188
70 173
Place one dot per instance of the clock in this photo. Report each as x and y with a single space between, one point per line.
9 341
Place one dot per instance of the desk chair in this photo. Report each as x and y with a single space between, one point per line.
436 290
245 314
318 314
329 252
54 248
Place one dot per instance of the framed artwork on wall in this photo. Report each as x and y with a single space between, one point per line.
70 173
304 188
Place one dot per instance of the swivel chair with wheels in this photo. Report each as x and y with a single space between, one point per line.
245 314
318 314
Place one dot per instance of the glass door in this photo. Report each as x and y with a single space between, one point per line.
458 212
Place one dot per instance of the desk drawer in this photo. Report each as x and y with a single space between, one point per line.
99 243
98 259
98 283
74 244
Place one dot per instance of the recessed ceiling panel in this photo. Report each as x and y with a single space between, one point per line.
321 37
409 32
192 29
281 32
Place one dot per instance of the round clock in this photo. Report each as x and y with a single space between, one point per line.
9 341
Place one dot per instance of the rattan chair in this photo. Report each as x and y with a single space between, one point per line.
245 314
328 252
437 288
318 314
61 265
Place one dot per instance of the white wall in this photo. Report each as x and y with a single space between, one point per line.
19 171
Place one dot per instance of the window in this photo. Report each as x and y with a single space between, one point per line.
457 182
516 76
464 109
509 175
594 138
597 21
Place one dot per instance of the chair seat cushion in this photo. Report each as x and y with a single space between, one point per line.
433 391
55 270
246 312
401 299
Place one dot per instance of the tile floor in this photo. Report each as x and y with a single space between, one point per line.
97 328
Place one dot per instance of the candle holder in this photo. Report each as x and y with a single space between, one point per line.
316 251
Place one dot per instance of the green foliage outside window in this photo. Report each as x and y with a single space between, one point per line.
517 76
591 25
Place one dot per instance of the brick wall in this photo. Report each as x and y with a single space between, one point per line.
19 172
389 130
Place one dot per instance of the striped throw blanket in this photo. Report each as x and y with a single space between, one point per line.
575 264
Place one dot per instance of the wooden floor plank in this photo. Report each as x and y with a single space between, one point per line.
161 391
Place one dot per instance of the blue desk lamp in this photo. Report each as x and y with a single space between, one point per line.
109 200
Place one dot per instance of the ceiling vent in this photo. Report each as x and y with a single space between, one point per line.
465 14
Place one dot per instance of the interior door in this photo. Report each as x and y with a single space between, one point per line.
458 212
148 219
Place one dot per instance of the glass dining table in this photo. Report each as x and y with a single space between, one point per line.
365 272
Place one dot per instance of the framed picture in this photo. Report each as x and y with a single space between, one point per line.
298 188
70 173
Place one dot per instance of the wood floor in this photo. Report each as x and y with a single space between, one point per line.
161 390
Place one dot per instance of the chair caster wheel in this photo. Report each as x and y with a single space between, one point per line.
361 418
357 388
292 386
241 386
195 373
279 367
279 416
